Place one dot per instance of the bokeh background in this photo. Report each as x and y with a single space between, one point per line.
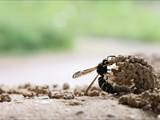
45 42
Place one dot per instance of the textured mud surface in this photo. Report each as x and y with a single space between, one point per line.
148 99
95 108
133 72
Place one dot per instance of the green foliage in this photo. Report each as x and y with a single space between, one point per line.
39 25
126 19
15 39
28 26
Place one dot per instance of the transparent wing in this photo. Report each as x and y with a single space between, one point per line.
84 72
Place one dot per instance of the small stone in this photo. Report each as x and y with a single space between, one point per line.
5 98
55 86
66 86
110 116
1 91
93 93
79 113
103 93
27 94
75 103
56 95
25 86
68 95
13 91
147 107
79 91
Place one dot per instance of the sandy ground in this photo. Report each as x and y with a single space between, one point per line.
80 108
58 68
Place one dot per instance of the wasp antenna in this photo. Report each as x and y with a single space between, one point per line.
84 72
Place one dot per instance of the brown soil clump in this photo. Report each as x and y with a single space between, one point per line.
55 95
148 100
68 95
65 86
60 95
5 98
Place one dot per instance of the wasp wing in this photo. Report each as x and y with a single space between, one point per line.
84 72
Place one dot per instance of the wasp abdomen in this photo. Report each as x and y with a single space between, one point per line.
105 86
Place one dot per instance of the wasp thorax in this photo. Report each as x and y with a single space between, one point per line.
133 71
102 69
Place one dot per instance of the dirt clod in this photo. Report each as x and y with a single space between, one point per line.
148 100
79 91
68 95
79 113
110 116
93 93
27 94
65 86
1 91
75 103
55 95
5 98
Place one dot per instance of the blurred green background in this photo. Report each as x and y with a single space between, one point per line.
27 26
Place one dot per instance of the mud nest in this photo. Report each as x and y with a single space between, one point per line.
132 72
138 75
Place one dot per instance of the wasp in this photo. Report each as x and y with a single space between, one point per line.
103 73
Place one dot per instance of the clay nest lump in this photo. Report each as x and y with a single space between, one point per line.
132 72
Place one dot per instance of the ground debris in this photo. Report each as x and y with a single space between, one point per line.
27 94
1 91
75 103
93 93
5 98
61 95
65 86
79 113
56 94
68 95
148 100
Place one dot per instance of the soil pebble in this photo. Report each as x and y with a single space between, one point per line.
27 94
148 100
1 91
93 93
75 103
5 98
110 116
65 86
55 95
68 95
79 113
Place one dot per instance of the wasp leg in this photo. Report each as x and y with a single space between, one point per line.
86 93
105 86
